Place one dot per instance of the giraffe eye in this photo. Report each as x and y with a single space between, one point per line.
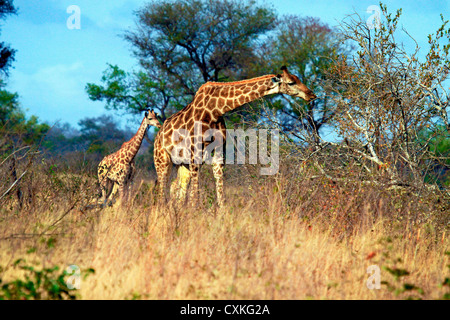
291 83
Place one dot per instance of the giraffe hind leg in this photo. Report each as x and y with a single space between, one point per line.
122 195
106 186
113 193
125 184
102 200
122 182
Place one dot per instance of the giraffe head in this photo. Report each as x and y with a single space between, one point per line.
290 84
152 119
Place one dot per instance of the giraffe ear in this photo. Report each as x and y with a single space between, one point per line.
285 71
146 113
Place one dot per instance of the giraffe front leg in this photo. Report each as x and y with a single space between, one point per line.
218 161
194 173
218 176
132 171
175 186
163 166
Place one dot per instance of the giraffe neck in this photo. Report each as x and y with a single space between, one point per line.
220 98
131 147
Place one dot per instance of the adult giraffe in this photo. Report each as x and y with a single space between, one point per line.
210 103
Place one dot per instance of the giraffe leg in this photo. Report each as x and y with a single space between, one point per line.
175 185
218 162
104 188
124 178
132 171
163 166
194 173
180 186
218 176
107 190
113 193
102 171
128 181
122 194
106 185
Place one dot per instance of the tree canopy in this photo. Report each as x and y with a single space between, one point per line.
195 41
306 45
6 53
14 124
182 44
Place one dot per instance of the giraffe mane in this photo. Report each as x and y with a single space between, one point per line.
233 83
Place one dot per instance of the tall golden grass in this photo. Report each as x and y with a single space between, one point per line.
279 237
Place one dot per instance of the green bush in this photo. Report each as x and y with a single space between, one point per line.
44 284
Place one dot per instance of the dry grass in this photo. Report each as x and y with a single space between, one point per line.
282 237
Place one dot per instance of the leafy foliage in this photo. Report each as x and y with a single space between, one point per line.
306 45
100 134
46 283
180 45
195 41
133 92
387 97
14 125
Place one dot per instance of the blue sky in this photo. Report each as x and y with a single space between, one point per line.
53 63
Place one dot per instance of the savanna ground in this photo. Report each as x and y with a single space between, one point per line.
287 236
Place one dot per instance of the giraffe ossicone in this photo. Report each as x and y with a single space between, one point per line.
210 103
116 170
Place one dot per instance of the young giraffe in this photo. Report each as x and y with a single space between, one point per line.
210 103
116 170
